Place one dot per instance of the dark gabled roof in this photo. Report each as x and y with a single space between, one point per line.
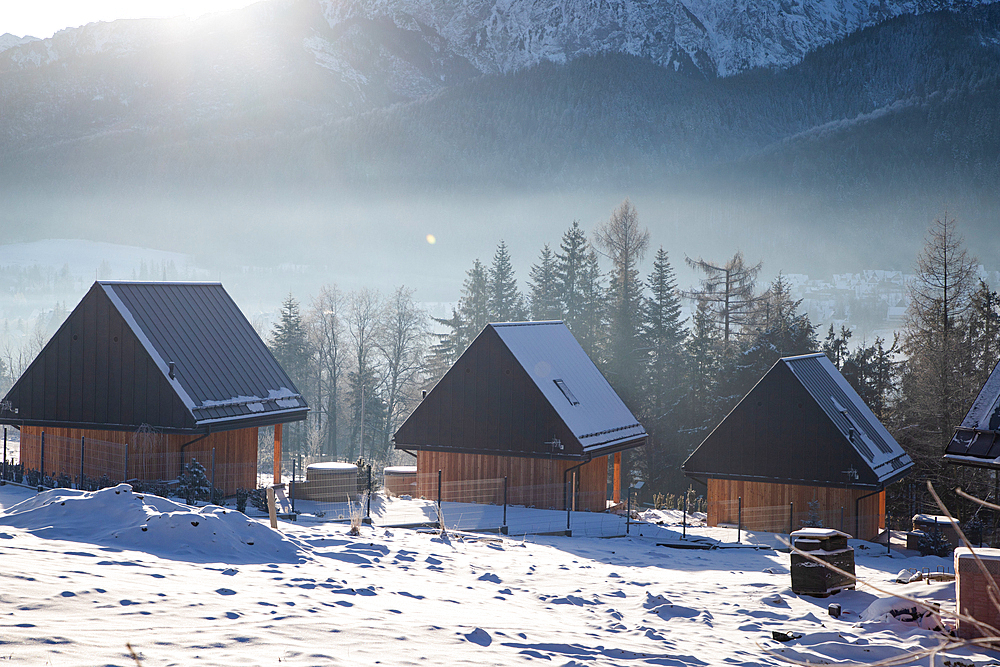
177 356
801 424
977 440
523 389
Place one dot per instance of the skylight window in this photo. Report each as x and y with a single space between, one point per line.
566 392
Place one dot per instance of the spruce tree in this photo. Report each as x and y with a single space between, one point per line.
544 288
504 299
663 337
466 321
290 341
571 262
623 242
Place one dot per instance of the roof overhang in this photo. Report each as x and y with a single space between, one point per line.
207 426
702 477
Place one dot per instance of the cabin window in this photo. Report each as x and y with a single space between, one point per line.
566 392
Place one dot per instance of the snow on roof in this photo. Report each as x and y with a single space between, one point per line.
204 345
837 398
984 415
962 553
817 533
570 382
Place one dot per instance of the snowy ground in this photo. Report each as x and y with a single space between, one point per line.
81 578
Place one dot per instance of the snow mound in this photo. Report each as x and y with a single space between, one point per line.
117 517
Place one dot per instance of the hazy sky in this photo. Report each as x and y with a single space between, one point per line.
42 18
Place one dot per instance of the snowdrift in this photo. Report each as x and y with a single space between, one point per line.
116 517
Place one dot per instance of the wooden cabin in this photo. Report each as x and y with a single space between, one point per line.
141 378
802 435
523 402
977 439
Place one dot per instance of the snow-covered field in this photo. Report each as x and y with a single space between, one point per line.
86 574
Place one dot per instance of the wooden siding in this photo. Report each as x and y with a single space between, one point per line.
530 482
766 506
123 455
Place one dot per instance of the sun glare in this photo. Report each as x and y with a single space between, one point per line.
43 18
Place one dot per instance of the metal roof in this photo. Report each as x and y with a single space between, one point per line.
222 370
571 383
180 357
977 440
837 398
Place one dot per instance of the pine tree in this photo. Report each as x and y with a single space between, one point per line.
291 347
773 330
544 288
623 242
466 321
835 345
729 291
937 382
983 332
873 372
504 299
290 341
571 265
663 337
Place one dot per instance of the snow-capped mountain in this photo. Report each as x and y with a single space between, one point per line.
719 37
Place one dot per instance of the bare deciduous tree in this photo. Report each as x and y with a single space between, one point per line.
326 324
401 341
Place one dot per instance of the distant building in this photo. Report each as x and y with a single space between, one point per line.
802 435
144 376
977 439
524 402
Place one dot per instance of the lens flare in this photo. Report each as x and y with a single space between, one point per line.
431 239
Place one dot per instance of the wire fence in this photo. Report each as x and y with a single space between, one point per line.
50 460
791 517
331 491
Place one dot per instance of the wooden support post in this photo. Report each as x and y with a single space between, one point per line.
277 453
272 513
616 477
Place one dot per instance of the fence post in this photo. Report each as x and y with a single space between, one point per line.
888 532
628 510
504 529
368 508
684 523
126 462
213 476
739 519
83 451
41 463
291 485
841 519
439 491
5 453
791 517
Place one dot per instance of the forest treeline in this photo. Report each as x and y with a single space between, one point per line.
362 359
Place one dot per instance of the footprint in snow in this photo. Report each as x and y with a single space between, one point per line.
480 637
492 578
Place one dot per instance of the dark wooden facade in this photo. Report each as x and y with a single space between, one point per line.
95 371
487 402
800 435
530 482
524 402
153 374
